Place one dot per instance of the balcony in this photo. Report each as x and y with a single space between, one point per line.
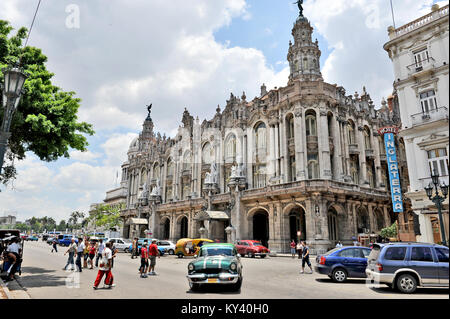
370 153
430 116
353 149
421 67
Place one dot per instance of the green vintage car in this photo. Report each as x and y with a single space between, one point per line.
216 264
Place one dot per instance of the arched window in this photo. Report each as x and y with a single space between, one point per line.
207 154
187 160
290 127
351 133
156 171
170 168
311 125
313 166
230 149
143 176
260 137
367 141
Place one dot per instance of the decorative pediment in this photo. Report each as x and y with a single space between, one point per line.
432 141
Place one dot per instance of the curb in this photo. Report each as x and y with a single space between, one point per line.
19 293
4 290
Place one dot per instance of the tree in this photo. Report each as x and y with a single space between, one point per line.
73 220
106 216
62 225
390 231
23 227
45 121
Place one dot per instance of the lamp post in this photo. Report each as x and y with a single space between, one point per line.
437 199
12 86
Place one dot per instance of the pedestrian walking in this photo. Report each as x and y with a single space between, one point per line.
80 251
105 268
100 248
299 249
153 252
72 249
305 258
114 253
92 251
85 253
293 248
55 244
144 260
134 248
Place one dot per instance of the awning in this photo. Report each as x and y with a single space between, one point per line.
212 214
137 221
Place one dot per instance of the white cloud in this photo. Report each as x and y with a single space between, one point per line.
87 156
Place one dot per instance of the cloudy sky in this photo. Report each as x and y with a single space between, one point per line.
120 55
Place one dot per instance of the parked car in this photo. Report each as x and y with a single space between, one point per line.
32 238
23 236
216 264
66 240
406 266
168 245
121 244
251 248
189 246
343 262
162 250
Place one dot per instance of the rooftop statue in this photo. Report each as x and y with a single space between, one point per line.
300 7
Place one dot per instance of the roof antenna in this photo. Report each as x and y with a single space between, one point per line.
392 10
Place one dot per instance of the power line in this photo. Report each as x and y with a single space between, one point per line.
32 23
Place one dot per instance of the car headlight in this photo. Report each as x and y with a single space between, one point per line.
233 266
191 267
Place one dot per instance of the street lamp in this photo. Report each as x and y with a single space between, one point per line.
11 90
438 199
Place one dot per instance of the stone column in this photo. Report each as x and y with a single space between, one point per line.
377 151
338 170
346 150
172 227
324 146
271 166
355 219
362 157
277 150
283 152
300 146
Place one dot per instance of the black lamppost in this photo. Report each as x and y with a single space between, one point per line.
437 199
11 90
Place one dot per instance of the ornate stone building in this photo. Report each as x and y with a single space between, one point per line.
301 158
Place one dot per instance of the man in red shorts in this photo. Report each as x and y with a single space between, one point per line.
105 268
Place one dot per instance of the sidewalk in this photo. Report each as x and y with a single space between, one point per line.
12 290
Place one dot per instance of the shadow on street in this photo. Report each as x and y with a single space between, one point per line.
40 277
424 291
219 289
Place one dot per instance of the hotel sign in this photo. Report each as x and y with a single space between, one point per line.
394 176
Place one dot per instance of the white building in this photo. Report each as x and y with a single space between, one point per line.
419 52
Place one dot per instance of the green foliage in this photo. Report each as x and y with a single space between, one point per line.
73 220
45 121
22 227
107 216
390 231
41 224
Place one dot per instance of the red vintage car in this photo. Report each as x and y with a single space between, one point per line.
251 248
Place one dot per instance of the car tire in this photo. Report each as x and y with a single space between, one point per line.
339 275
126 250
237 286
194 287
180 255
263 256
171 252
406 284
251 255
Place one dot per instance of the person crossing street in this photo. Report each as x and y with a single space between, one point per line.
144 260
105 268
80 250
100 248
153 252
72 249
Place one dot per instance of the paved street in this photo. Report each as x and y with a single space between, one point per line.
270 278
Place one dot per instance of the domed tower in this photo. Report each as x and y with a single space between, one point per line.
304 54
147 133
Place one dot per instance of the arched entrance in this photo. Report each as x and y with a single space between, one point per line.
261 227
166 229
363 223
184 227
332 225
297 222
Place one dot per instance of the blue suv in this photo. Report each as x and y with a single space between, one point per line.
342 263
66 240
405 266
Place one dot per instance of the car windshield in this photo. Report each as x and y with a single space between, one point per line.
216 251
374 253
257 244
